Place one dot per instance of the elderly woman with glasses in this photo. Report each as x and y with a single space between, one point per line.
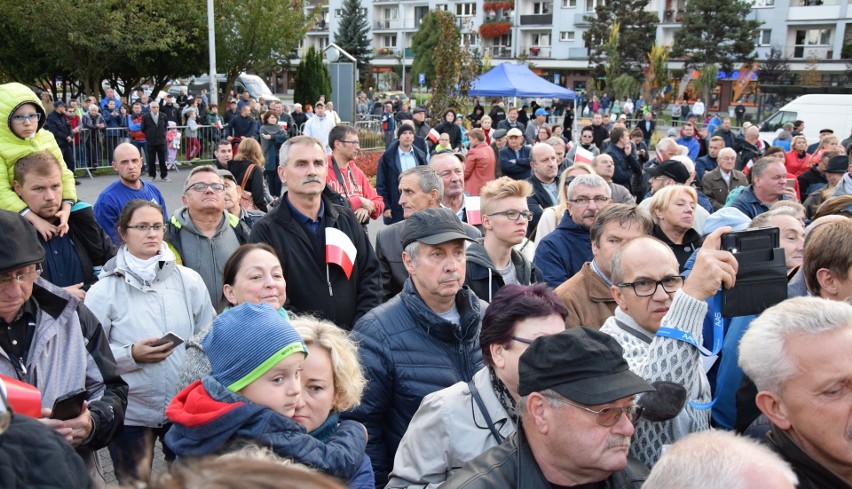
147 304
457 424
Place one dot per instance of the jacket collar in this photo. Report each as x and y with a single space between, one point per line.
804 466
469 311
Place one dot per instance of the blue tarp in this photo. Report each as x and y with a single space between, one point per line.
512 80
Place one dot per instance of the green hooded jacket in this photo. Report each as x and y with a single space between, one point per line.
12 147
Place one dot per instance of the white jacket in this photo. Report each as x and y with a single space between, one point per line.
446 432
129 310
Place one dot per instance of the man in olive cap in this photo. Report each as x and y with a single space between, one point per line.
577 411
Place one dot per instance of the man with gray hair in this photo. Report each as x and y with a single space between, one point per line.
424 339
769 177
659 323
718 182
720 460
797 354
419 188
300 228
562 253
202 233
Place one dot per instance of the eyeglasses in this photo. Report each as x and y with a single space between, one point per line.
148 227
583 201
23 118
21 278
514 215
522 340
202 187
608 416
647 288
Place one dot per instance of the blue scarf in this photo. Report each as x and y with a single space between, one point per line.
328 428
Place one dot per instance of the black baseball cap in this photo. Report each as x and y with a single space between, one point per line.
672 169
581 364
838 164
432 226
19 244
418 110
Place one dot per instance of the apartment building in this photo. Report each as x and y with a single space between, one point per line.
549 33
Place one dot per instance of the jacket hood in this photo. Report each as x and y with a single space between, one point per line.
468 305
477 255
12 96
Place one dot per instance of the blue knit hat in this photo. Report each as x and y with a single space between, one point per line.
246 341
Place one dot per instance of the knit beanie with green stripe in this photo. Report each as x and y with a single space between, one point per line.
246 341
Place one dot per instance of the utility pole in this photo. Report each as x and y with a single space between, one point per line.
213 98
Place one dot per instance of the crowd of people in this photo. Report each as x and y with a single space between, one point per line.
536 311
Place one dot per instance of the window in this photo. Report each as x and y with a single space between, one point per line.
569 3
441 6
778 120
591 5
541 8
338 12
813 37
391 13
323 43
470 39
541 39
567 36
390 41
762 3
764 37
465 9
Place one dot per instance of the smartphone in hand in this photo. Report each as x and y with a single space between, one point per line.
169 337
69 406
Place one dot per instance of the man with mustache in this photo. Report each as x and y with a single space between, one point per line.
577 412
562 253
297 229
424 339
657 313
73 255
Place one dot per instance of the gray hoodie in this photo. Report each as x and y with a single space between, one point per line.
207 256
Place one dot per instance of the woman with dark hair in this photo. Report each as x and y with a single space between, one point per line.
543 135
142 295
448 125
456 424
475 116
272 136
253 273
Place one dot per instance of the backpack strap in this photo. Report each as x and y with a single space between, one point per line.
474 392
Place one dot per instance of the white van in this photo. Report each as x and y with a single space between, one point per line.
254 84
818 111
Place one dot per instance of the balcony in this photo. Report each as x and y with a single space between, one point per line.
672 17
537 51
387 24
578 53
387 52
500 51
320 26
580 19
819 53
814 12
537 19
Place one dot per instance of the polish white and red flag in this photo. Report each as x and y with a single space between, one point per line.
472 208
583 156
340 250
433 136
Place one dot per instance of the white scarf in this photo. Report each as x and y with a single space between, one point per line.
146 270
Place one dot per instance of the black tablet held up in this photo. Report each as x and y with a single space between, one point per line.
761 273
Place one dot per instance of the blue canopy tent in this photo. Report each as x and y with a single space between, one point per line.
512 80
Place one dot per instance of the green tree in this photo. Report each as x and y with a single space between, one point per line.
256 34
455 68
423 43
613 59
353 35
716 32
706 81
637 31
312 78
131 42
775 68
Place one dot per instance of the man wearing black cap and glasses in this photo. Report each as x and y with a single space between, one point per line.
577 413
424 339
52 341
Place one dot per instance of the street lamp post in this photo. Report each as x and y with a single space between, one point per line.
342 78
213 98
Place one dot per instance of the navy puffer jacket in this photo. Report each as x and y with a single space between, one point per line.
407 352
